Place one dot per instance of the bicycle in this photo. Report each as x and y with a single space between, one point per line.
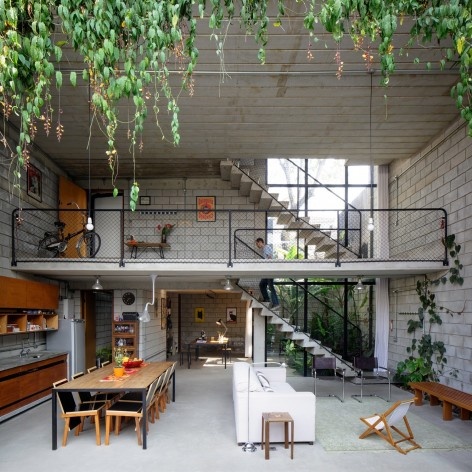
55 243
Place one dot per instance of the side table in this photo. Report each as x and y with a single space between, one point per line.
276 417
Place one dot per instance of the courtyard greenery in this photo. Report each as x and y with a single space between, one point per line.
126 48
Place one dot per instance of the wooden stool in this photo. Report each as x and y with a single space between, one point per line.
187 353
277 417
226 352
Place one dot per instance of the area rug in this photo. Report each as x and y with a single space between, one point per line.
338 427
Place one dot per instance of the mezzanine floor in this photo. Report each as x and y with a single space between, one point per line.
196 433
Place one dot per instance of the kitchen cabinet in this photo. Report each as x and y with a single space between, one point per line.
23 294
27 306
126 334
30 380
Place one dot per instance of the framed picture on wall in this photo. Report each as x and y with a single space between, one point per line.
163 314
206 209
231 315
199 315
34 182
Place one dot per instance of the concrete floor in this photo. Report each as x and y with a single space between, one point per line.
196 433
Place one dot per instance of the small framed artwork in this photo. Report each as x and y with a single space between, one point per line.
144 200
163 314
34 182
231 315
206 209
199 315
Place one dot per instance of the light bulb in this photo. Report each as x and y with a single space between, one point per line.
370 225
89 224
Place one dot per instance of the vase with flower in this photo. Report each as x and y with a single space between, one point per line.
118 369
165 231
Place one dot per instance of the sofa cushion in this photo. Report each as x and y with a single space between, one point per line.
263 379
241 381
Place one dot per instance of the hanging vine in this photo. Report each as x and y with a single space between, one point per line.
427 358
122 41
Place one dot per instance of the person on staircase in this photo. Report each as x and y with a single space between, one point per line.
265 284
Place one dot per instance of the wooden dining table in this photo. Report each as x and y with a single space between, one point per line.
135 380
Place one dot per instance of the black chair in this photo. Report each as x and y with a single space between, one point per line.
324 368
369 371
74 414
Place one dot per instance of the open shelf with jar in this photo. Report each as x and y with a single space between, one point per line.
126 334
27 321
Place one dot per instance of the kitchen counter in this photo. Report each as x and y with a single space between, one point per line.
24 380
31 358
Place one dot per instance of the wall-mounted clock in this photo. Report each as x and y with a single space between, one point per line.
128 298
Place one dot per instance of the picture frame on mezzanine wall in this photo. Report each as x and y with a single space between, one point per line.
206 209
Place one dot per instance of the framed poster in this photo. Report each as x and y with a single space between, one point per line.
34 182
206 209
199 315
231 315
163 314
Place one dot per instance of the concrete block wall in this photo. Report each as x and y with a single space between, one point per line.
214 309
189 237
438 176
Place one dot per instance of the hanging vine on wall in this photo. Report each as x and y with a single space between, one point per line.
121 42
427 357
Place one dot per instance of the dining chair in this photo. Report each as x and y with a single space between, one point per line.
97 398
74 414
161 396
129 408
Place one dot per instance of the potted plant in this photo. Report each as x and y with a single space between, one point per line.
119 370
102 355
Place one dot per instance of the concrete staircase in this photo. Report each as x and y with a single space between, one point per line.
303 340
324 245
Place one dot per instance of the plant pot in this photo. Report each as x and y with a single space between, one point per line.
118 371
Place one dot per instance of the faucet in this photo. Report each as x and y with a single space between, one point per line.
24 352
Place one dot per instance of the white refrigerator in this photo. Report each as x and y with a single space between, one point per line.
70 338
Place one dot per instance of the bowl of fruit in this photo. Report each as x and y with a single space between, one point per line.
132 363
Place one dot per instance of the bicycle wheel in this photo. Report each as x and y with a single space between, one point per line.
49 246
88 245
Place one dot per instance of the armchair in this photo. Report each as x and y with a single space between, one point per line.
369 371
325 368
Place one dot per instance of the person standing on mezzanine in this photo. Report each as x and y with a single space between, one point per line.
265 284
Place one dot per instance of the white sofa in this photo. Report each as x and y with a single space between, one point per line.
279 396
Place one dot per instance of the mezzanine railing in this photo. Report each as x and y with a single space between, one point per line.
229 235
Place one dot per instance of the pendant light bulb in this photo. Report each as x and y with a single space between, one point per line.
89 224
370 225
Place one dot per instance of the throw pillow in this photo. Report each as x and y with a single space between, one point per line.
268 389
263 380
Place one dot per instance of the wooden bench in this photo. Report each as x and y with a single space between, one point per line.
447 395
134 245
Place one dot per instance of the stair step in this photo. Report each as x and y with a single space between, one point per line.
225 169
255 193
245 185
266 200
236 175
285 218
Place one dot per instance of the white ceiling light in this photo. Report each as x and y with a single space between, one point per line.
97 286
145 318
360 285
370 224
228 285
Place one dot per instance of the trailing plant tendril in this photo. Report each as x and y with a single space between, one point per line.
122 41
